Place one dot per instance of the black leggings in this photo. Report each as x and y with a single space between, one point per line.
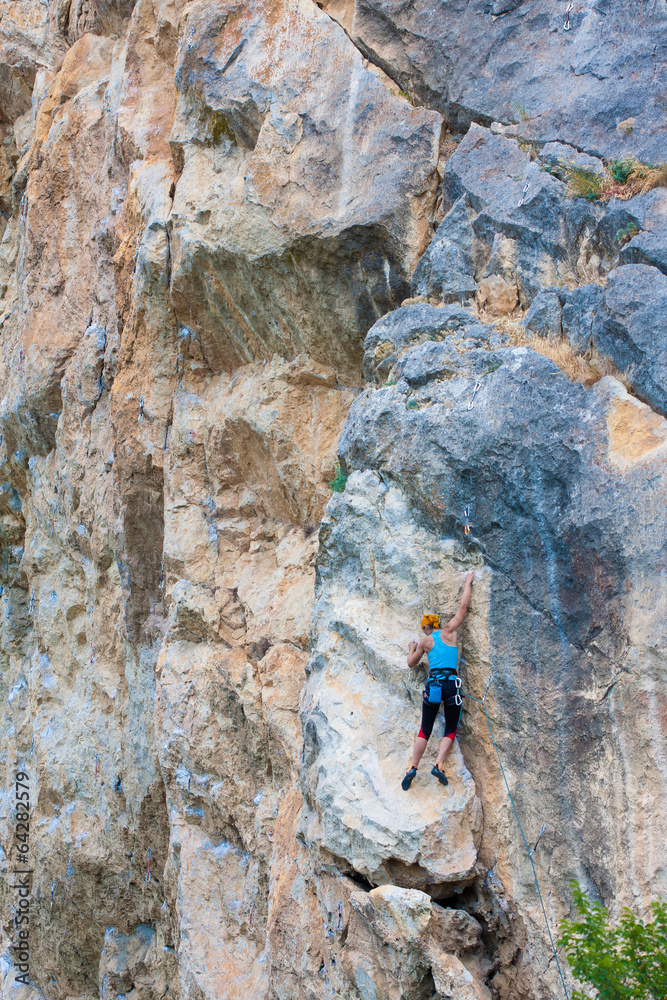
429 712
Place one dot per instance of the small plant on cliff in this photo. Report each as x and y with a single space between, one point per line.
584 183
626 961
337 484
620 179
624 236
622 170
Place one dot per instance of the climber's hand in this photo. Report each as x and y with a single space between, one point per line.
411 647
470 576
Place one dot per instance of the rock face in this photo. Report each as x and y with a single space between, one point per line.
516 61
249 249
276 200
363 620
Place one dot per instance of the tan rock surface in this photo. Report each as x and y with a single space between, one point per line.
205 207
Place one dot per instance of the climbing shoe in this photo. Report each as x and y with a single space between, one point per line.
408 779
440 775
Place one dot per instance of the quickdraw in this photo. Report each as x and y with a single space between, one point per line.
340 915
53 889
141 410
566 26
543 830
466 526
97 764
523 194
476 388
32 601
148 873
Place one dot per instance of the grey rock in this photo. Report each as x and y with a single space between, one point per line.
631 329
596 87
648 211
510 218
580 307
524 226
412 324
544 315
565 491
558 154
446 271
646 248
457 226
429 361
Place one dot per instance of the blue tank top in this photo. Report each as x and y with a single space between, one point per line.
442 659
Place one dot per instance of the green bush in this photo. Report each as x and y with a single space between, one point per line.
623 962
338 482
584 183
621 170
624 236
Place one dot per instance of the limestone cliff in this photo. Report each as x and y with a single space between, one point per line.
242 241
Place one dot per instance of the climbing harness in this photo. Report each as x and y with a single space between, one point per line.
447 689
478 386
523 836
523 194
566 26
148 873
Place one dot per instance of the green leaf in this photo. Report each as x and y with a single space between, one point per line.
627 961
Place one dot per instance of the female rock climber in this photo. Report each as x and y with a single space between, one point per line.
440 644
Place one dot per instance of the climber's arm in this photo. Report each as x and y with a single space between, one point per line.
415 652
464 604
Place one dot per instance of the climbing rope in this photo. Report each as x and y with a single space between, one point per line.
528 850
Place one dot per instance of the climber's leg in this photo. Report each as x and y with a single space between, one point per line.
429 713
418 751
446 744
452 717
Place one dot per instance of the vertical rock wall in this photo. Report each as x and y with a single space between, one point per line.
206 210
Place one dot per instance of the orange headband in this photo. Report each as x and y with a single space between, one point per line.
431 620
